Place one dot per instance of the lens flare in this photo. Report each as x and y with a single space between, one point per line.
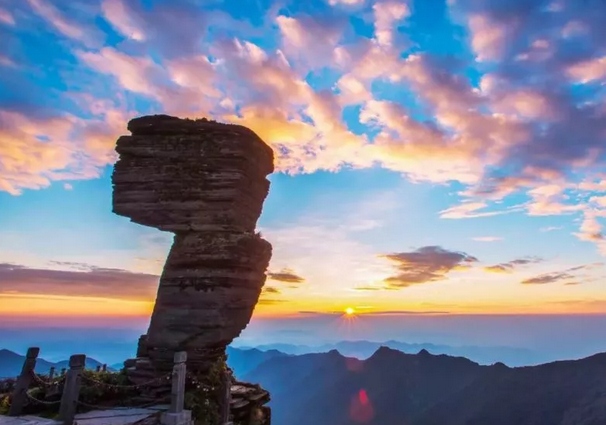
349 311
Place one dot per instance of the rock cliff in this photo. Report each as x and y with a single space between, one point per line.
205 182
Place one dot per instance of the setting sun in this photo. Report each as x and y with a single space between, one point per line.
349 311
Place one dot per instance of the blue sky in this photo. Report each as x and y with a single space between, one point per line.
431 155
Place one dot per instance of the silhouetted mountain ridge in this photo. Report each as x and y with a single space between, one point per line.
392 387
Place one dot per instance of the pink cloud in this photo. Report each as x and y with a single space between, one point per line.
353 91
588 71
196 73
123 19
69 28
591 229
549 199
174 86
470 210
387 13
309 39
488 37
574 28
487 239
6 61
346 2
6 17
525 104
133 73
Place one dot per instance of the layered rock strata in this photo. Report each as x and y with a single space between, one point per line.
205 182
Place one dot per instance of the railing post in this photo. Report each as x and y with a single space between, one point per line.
20 393
225 394
176 415
104 368
71 390
51 373
98 369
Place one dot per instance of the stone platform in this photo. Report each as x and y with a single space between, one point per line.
135 416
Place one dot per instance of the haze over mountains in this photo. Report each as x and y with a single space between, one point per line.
511 356
11 363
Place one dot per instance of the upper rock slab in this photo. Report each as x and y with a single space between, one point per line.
191 175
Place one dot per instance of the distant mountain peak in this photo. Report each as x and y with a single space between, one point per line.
384 352
335 353
424 353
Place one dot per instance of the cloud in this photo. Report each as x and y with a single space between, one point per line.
346 2
487 239
473 210
7 62
123 19
488 37
591 229
387 13
311 39
572 275
175 29
510 266
520 127
6 17
69 28
270 301
286 276
34 151
547 278
426 264
588 71
88 281
550 228
271 290
549 199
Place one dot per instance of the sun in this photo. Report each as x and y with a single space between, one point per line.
349 311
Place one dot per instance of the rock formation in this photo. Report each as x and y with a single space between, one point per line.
205 182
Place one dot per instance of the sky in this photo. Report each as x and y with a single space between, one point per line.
433 157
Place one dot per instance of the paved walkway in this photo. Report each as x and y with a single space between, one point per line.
26 420
95 417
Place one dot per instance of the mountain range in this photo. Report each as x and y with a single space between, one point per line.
392 387
396 388
511 356
11 364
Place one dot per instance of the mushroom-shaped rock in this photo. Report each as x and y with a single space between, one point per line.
205 182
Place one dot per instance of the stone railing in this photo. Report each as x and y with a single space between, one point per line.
72 380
